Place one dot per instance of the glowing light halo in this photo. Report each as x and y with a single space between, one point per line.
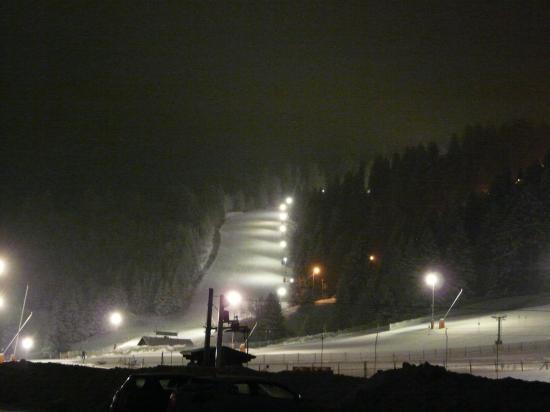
27 343
233 298
115 318
432 278
281 292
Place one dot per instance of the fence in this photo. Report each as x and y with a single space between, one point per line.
367 368
483 361
514 358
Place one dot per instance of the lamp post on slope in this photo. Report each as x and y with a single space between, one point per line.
431 279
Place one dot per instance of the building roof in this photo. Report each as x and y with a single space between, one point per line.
230 356
164 341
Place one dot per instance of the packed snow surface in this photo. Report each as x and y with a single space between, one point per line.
248 261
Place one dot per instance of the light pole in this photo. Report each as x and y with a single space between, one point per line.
233 300
316 271
2 273
20 321
431 280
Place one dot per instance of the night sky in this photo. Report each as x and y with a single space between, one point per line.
259 79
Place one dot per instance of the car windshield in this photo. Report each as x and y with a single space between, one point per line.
274 391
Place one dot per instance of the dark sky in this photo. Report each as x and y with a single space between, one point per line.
265 78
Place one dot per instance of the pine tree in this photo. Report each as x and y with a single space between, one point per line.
269 315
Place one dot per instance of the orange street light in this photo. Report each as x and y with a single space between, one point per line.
316 271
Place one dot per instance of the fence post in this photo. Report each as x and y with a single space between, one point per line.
365 369
521 362
470 361
394 364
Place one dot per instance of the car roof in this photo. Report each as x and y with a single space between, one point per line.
205 378
162 375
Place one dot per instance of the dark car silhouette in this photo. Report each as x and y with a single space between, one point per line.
160 392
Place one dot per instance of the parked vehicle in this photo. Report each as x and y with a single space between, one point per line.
147 392
234 392
160 392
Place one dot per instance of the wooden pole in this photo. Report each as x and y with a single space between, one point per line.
208 331
219 341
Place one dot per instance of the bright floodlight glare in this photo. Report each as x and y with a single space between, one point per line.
282 228
233 298
372 258
282 207
115 318
2 266
285 259
2 302
316 270
289 200
281 292
283 216
291 280
282 243
27 343
431 279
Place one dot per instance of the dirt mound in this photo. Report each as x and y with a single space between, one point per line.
432 388
56 387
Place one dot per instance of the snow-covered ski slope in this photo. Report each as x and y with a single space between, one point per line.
467 333
248 261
